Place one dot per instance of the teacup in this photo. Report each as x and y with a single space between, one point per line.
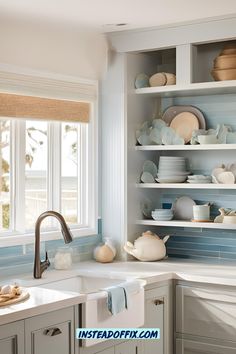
201 212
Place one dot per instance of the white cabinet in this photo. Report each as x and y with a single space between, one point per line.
159 314
12 338
191 347
206 312
50 333
154 318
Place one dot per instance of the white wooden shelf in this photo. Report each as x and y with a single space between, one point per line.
185 147
209 88
177 223
185 186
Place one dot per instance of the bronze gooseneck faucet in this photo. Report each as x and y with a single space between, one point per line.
41 266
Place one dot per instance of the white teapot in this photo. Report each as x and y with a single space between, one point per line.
148 247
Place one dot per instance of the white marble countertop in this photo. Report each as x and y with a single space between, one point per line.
195 271
40 301
43 300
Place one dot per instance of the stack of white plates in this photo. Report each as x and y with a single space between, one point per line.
162 214
172 169
201 179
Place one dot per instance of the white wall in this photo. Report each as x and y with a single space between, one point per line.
51 47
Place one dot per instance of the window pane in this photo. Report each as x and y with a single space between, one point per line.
69 172
4 175
35 172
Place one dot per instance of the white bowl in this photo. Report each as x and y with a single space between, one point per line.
163 218
171 179
207 139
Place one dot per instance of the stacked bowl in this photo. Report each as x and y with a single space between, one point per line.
162 214
225 64
172 169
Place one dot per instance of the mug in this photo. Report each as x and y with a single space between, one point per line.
201 212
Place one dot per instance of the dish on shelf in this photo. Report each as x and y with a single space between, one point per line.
224 175
150 167
171 179
146 208
156 136
226 178
224 212
158 79
229 49
147 177
225 62
183 208
184 124
141 80
207 139
172 111
162 79
170 137
224 74
172 169
199 179
229 219
162 214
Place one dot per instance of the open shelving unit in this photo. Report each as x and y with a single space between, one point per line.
194 86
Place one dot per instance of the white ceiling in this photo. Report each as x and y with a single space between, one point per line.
136 13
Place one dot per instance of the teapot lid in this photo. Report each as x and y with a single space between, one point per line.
150 233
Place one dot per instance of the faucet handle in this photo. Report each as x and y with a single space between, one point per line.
47 259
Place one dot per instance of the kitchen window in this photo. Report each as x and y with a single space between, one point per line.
47 165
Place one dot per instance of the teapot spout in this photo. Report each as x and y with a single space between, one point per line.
166 238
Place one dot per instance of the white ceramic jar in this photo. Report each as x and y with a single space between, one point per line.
63 258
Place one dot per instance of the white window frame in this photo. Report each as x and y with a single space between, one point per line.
60 87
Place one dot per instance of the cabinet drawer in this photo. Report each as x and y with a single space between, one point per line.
191 347
206 312
50 333
57 341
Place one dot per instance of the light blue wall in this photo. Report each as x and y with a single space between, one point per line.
22 257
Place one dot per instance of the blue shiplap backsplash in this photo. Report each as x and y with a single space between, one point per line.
205 243
23 256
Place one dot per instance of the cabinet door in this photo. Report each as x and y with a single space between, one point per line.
12 338
191 347
129 347
50 333
154 318
206 312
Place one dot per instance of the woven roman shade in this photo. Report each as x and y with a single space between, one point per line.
29 107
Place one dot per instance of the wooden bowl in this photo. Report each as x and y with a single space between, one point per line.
228 51
225 62
224 74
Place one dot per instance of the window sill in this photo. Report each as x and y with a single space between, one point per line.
25 239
